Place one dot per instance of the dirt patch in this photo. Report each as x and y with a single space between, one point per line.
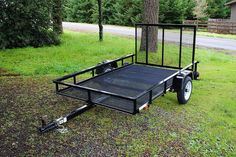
4 72
233 53
98 132
227 52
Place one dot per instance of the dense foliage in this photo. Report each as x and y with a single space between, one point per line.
122 12
128 12
217 9
26 23
173 11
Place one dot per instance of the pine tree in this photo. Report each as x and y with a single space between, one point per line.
108 11
57 16
127 12
99 3
133 12
218 9
172 11
81 10
150 15
189 5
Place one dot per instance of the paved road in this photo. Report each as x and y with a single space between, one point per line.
202 41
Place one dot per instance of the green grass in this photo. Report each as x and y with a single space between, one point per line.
78 51
215 98
206 126
213 103
208 34
216 35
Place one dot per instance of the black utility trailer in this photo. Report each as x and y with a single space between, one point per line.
128 84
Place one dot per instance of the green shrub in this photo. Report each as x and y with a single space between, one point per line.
26 23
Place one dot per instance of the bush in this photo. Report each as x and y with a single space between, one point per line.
26 23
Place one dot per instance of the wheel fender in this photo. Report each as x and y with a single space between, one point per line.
178 81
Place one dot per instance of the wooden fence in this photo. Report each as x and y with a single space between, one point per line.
223 26
200 24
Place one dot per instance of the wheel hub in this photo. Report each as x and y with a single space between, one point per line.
188 90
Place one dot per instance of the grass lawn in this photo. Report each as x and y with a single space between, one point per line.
213 35
216 35
208 34
206 126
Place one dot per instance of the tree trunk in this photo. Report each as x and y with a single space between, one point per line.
150 15
57 16
100 20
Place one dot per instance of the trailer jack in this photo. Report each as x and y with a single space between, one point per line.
56 124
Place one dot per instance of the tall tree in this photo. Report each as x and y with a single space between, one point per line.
100 20
150 15
57 16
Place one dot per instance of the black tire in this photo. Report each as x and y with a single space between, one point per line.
183 95
196 75
126 63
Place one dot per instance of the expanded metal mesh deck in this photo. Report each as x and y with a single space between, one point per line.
128 81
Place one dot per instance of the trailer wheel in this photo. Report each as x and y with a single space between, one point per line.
184 93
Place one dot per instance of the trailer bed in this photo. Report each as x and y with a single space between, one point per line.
129 81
